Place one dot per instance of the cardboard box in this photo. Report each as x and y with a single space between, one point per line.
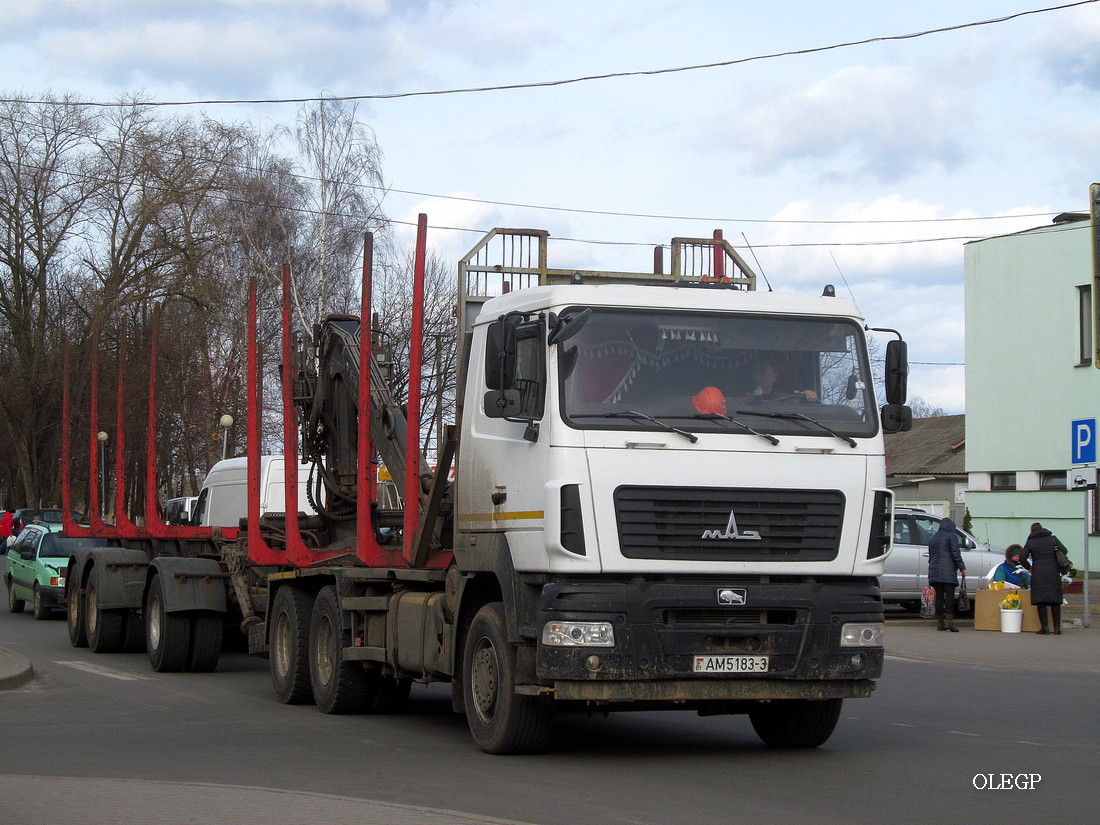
987 610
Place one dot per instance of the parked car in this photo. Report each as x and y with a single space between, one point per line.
906 573
179 511
49 515
36 568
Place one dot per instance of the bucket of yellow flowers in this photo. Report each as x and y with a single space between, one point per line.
1012 615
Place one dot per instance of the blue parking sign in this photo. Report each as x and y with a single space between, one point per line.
1083 441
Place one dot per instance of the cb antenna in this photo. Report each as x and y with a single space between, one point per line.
759 268
841 271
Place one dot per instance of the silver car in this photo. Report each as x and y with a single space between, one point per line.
906 573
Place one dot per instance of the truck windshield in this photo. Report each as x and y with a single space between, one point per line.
764 376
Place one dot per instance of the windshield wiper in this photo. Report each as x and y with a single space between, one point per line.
692 437
851 442
766 436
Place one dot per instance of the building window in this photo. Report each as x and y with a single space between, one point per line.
1052 480
1084 323
1002 481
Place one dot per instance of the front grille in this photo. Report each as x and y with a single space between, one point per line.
670 523
727 617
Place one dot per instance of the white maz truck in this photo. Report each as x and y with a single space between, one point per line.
668 493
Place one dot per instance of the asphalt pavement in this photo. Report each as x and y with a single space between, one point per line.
1076 650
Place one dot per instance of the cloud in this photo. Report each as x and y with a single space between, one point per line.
1068 51
885 123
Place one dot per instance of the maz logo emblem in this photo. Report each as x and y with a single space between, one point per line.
732 595
731 532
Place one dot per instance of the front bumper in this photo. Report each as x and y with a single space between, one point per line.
660 626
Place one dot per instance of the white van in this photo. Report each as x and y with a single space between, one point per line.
223 499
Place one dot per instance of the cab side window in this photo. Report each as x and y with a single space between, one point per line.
530 371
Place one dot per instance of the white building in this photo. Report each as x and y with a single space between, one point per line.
1031 372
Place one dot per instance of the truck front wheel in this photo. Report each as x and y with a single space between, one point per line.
796 723
501 720
289 623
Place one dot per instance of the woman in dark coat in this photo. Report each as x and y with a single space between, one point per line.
944 558
1046 578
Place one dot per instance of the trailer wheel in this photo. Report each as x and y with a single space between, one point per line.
74 613
501 720
289 625
105 627
339 686
796 723
41 609
167 635
15 604
206 641
133 632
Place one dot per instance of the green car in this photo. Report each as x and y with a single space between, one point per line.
36 568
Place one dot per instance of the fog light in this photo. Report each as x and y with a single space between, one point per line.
862 634
578 634
593 663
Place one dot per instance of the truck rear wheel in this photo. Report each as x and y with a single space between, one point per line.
339 686
78 632
796 723
289 622
206 641
105 627
167 635
500 720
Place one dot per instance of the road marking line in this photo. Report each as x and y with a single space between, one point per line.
99 670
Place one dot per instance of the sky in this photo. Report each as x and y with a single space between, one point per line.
868 166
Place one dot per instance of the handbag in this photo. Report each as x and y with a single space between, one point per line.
962 601
928 603
1063 560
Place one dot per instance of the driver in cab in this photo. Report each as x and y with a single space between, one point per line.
765 379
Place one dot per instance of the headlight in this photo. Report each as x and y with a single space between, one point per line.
578 634
862 634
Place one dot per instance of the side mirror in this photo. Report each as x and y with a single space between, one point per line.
500 356
851 388
567 326
897 418
897 372
502 404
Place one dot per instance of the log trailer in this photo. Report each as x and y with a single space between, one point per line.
634 521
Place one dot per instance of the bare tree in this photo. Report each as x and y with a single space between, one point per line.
44 185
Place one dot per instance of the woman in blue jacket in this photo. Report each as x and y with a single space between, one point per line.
944 558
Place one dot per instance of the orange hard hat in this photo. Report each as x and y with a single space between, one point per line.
710 401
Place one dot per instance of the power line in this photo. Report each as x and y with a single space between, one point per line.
583 79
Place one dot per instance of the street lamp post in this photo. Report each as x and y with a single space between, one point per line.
102 438
225 423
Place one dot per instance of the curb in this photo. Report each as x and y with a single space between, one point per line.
15 671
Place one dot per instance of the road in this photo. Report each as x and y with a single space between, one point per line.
918 744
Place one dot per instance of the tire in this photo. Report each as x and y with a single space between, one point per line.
289 649
41 609
796 723
338 686
167 635
105 627
74 614
133 633
15 604
500 720
206 641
